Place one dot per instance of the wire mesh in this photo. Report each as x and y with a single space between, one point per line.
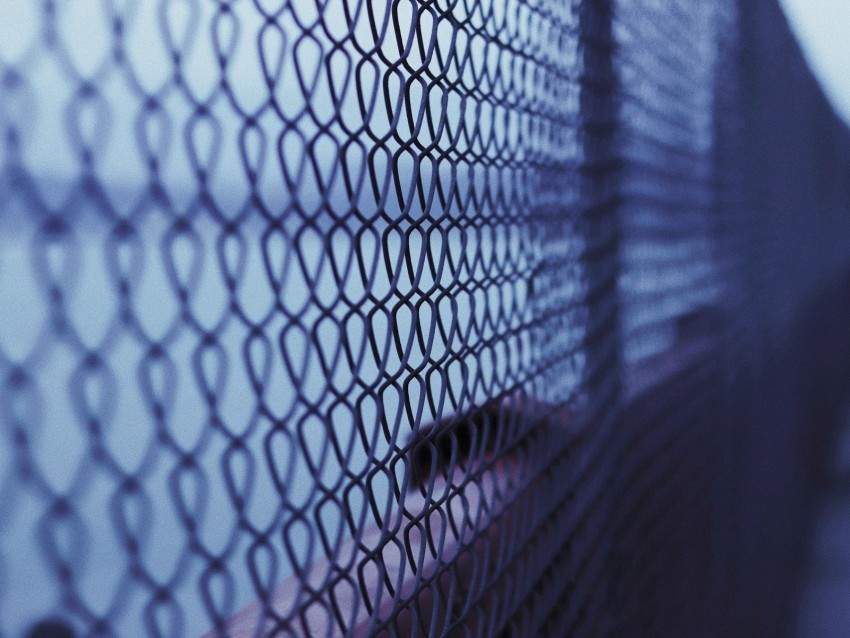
390 317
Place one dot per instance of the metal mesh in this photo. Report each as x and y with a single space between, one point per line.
396 317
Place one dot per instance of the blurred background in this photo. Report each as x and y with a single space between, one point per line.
823 29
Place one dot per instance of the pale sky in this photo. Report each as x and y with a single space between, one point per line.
823 27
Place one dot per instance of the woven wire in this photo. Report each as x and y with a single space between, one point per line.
253 246
287 287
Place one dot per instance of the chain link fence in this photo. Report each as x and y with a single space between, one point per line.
407 317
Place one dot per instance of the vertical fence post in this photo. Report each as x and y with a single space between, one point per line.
599 208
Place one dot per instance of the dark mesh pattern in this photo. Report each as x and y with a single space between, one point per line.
406 317
672 295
